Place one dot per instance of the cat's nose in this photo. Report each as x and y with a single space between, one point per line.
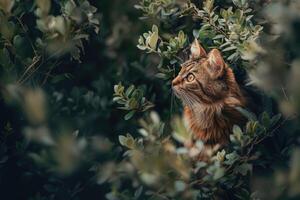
176 81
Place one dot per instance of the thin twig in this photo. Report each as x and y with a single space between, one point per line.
284 93
272 132
36 59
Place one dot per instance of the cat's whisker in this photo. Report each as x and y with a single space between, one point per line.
194 97
186 98
190 98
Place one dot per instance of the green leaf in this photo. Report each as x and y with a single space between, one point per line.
249 115
161 75
115 99
219 173
22 47
152 40
133 104
233 56
237 131
122 140
251 127
129 90
138 192
129 115
244 168
154 28
181 37
44 7
69 7
275 119
229 48
180 186
265 118
180 133
237 3
5 60
143 132
141 47
218 37
208 5
127 141
231 158
196 33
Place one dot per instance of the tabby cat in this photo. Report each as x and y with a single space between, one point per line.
210 94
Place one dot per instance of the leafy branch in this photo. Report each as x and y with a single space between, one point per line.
200 179
151 42
131 99
232 29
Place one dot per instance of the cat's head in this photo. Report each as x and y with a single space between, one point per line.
202 78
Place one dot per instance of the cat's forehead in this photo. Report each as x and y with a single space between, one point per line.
189 64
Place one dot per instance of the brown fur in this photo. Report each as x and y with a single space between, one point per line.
210 94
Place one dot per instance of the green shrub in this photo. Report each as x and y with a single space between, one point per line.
87 110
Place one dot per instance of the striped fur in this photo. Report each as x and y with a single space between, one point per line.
210 94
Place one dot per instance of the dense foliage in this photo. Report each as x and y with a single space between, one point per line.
87 110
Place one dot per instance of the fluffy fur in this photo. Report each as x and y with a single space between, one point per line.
210 94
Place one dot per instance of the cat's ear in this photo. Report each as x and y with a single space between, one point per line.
197 51
216 64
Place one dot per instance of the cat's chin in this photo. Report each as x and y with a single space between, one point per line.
176 92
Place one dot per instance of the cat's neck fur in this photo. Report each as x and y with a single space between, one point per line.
212 123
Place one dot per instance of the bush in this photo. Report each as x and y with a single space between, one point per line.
87 110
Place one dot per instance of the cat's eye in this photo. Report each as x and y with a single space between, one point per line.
190 77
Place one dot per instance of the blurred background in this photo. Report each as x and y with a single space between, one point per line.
87 111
